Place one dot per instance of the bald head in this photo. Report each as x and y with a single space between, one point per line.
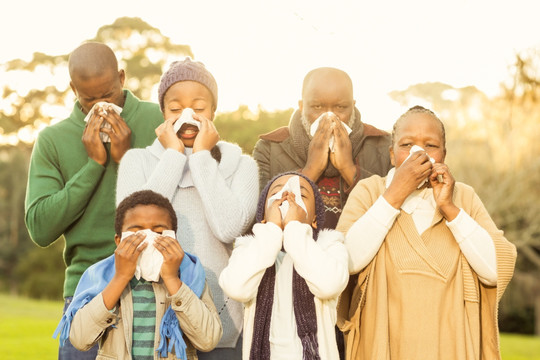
327 89
91 60
325 75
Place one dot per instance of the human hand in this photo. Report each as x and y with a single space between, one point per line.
208 135
126 255
173 254
273 214
443 191
91 140
407 177
317 158
295 212
119 133
167 136
342 157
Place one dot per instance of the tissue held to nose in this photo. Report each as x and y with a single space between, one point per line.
292 185
186 118
150 260
416 148
315 126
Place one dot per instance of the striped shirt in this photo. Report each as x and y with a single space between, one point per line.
144 319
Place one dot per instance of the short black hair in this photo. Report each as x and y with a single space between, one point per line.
143 197
417 109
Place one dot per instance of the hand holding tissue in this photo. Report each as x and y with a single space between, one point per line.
101 105
150 261
292 185
186 118
416 148
315 126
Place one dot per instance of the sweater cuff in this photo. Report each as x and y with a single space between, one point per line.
462 226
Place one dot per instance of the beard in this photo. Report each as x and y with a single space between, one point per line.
307 125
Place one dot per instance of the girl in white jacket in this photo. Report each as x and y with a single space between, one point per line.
289 274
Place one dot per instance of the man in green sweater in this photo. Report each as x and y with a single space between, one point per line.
72 176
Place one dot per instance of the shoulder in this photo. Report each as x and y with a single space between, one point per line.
233 157
277 135
464 194
372 131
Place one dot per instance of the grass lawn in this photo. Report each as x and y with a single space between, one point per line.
26 328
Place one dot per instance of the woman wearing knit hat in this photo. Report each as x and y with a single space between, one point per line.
288 274
213 186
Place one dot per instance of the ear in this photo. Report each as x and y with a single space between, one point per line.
122 76
117 239
392 157
300 105
73 88
314 223
263 221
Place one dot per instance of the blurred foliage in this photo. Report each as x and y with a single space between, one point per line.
491 145
243 126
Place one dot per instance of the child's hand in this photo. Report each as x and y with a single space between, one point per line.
126 254
173 254
273 214
208 135
167 137
443 191
295 211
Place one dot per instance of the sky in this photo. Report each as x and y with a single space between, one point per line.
259 51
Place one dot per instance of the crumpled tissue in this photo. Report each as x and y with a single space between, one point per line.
315 126
186 118
102 104
292 185
150 261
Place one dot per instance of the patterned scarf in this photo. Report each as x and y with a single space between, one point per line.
300 139
303 299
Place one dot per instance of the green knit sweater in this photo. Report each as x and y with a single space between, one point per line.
70 194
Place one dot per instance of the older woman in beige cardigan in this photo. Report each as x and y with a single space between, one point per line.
430 265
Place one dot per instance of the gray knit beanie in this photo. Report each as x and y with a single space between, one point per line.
183 71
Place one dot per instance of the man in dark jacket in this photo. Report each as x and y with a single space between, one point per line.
335 154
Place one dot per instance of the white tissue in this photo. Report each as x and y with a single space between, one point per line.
186 118
292 185
416 148
102 104
150 261
315 126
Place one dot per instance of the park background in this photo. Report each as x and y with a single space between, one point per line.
475 63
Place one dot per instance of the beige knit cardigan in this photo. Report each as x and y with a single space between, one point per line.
480 300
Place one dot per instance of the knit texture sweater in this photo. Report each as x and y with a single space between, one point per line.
419 298
214 202
71 195
322 264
